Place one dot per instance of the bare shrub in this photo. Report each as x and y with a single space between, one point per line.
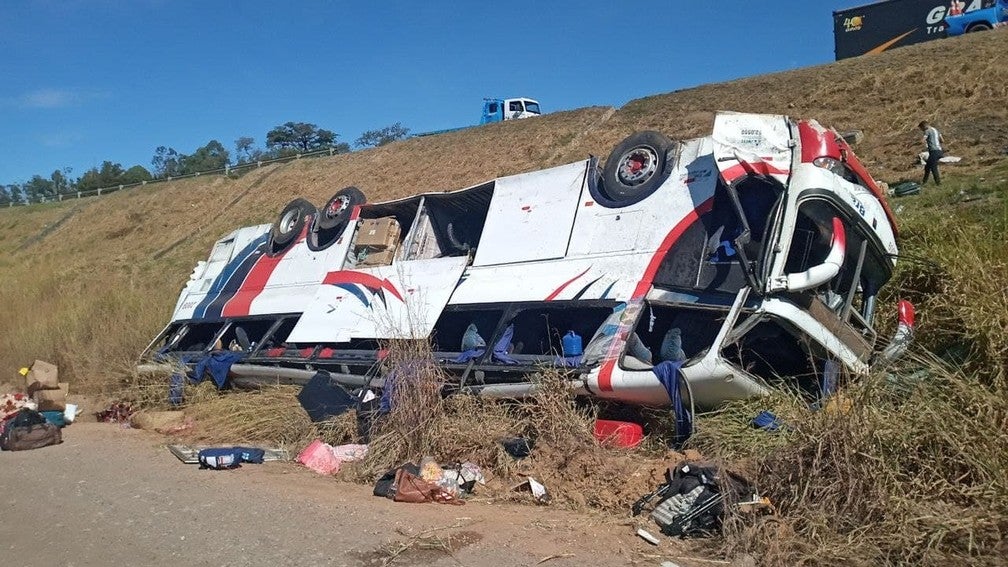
269 415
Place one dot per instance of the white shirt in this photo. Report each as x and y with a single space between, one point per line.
933 139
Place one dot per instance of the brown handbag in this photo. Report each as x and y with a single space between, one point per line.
411 488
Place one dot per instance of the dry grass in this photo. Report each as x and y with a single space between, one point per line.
912 473
271 415
421 423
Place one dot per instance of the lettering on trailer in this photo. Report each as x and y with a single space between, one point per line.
853 23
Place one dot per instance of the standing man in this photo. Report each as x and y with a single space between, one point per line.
934 141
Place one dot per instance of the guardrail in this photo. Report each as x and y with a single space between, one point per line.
226 170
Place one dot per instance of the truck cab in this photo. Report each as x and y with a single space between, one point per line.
989 16
500 109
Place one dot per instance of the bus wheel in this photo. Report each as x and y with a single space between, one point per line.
289 224
636 167
337 210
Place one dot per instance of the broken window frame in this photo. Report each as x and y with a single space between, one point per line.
860 320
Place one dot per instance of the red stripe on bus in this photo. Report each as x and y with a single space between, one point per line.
666 245
241 303
557 291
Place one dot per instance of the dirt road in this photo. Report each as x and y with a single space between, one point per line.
114 496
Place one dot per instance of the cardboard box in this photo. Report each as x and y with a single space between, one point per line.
378 234
42 376
378 258
52 400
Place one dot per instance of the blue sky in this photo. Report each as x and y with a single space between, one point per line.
83 81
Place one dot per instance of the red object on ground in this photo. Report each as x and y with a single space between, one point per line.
619 433
319 457
278 351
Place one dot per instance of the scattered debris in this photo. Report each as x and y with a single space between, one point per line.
539 492
325 459
767 421
220 458
428 482
413 488
692 499
517 447
190 454
556 556
618 433
117 412
646 536
458 480
425 546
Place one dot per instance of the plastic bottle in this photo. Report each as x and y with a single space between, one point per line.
572 344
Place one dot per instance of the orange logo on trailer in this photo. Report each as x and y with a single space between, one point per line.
853 23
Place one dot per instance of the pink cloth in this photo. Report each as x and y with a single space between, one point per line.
326 459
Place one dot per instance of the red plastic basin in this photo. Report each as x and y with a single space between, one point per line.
618 433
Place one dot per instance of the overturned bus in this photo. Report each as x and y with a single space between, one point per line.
716 269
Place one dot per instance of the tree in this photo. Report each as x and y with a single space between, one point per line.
245 150
167 162
208 158
16 193
108 175
6 195
39 189
62 183
380 137
302 137
135 174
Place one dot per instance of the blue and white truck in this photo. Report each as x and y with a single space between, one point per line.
500 109
962 20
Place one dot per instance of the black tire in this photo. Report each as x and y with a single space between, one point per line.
978 27
636 167
289 224
337 210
